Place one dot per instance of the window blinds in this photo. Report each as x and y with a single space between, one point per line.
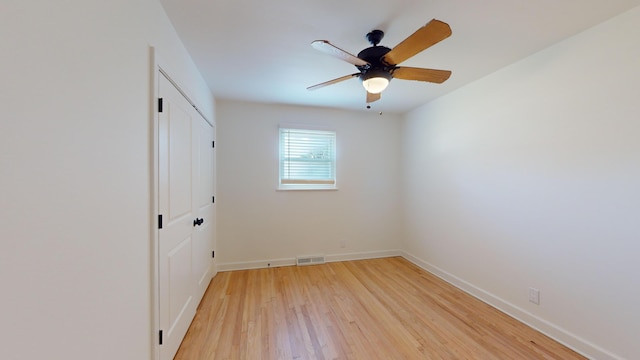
307 157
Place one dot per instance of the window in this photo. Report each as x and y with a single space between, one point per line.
307 159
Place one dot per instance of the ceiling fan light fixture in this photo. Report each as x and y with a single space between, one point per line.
375 81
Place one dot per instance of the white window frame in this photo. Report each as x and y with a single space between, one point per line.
306 184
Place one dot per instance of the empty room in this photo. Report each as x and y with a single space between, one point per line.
213 179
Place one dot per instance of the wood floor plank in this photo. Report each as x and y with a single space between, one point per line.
367 309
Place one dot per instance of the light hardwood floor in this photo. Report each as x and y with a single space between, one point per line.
367 309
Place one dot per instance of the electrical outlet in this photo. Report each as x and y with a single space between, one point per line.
343 243
534 296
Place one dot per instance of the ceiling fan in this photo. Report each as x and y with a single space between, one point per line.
377 65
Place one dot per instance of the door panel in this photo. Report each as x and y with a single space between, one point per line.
180 297
176 180
180 155
203 235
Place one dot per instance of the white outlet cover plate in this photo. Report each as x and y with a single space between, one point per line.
534 296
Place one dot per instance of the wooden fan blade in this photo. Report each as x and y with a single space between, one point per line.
428 35
419 74
343 78
372 97
327 48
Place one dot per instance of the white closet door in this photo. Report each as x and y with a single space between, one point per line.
177 180
204 202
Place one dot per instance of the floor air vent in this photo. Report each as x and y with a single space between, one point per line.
309 260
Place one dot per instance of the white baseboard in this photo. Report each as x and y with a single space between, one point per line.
555 332
261 264
363 255
256 264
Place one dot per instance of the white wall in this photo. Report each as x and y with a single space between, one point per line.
75 154
257 224
530 177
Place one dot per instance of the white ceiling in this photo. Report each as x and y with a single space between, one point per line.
260 50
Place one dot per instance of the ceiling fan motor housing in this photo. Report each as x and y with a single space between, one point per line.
373 56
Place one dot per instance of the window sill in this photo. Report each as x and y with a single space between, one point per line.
306 188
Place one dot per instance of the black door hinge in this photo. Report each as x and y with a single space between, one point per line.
159 104
213 254
213 144
160 337
159 221
213 199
